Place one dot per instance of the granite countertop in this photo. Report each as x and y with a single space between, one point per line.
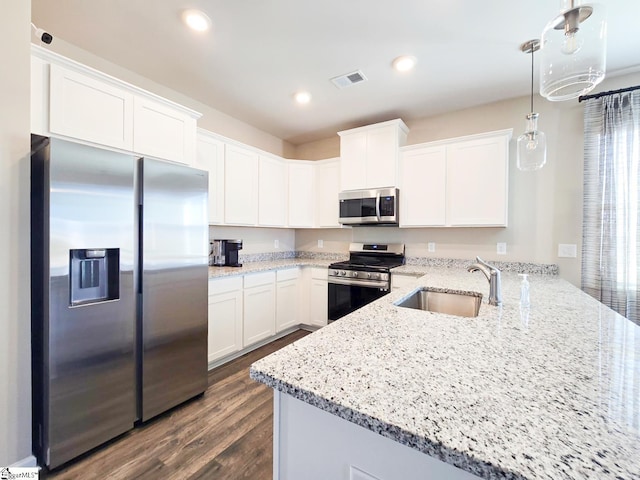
549 392
253 267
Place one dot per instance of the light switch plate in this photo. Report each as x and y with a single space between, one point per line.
567 250
276 243
501 248
431 247
320 243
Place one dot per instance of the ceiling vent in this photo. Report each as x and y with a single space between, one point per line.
344 81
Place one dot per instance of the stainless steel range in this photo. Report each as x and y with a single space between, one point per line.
365 277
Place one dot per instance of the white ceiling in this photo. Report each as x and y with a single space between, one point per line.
260 52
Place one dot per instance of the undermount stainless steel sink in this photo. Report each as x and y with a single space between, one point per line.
462 305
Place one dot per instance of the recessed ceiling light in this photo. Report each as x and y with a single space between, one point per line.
302 97
404 63
196 20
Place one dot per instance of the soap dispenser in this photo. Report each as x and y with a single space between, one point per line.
524 291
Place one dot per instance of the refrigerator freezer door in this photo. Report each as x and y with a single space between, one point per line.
174 257
83 201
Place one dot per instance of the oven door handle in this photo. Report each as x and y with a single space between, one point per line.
381 285
378 205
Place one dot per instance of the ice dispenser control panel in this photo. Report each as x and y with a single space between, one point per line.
94 275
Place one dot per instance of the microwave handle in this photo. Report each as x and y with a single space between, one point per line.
378 205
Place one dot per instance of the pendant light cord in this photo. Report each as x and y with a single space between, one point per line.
532 79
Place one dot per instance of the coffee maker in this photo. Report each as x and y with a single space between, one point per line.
224 253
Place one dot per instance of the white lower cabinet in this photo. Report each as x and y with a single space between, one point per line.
259 307
247 309
225 317
287 295
318 297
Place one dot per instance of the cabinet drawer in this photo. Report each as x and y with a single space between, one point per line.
319 273
257 279
223 285
288 274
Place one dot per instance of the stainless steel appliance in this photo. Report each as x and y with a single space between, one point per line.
119 293
365 277
378 206
224 253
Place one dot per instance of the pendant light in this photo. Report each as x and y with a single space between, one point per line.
573 51
532 144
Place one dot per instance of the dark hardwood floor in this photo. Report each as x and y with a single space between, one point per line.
226 434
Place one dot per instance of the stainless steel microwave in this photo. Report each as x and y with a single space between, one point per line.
377 206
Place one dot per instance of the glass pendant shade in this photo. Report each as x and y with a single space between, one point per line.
573 52
532 146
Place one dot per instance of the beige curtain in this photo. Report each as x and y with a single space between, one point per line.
611 248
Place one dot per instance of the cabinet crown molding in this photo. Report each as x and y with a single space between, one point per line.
508 132
56 58
398 122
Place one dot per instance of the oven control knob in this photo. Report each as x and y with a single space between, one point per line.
354 274
343 273
369 275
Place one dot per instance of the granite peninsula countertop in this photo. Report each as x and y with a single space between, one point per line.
552 392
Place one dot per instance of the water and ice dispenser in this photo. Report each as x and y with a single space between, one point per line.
94 275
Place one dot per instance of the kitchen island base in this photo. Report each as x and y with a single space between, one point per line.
313 444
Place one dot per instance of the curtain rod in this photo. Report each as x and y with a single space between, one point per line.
604 94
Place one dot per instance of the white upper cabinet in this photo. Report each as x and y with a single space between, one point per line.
240 186
72 100
327 187
301 194
89 109
272 191
163 132
210 157
478 180
369 155
460 182
422 187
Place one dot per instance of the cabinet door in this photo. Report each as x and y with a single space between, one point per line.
240 186
423 187
327 182
88 109
259 309
477 182
319 297
225 317
382 157
287 294
163 132
301 194
210 157
353 161
272 192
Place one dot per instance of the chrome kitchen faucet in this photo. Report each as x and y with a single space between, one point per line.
493 276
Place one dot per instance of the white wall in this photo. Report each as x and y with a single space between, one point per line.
545 207
15 330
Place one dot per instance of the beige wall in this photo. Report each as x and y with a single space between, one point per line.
212 119
257 240
545 207
15 357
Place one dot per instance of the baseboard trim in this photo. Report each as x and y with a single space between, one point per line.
29 461
255 346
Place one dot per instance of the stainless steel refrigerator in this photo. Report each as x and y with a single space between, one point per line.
119 293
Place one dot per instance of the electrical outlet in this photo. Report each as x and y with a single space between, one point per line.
501 248
431 247
320 243
567 250
276 243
